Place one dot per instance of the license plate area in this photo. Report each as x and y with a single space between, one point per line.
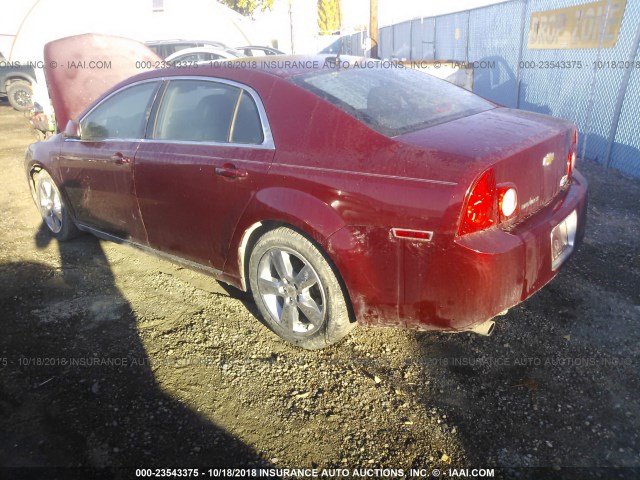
563 237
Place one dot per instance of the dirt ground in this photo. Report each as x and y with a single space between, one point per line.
115 360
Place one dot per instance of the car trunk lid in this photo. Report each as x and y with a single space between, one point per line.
525 149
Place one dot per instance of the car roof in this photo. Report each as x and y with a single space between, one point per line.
283 66
286 66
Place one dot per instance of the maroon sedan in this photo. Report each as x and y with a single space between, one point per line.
335 191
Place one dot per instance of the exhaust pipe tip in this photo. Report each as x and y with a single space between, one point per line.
485 329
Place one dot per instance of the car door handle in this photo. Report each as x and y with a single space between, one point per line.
120 159
230 171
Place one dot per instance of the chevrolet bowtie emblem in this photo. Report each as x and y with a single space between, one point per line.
548 159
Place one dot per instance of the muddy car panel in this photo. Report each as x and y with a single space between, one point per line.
414 221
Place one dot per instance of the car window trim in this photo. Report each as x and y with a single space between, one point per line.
232 126
152 114
267 142
147 113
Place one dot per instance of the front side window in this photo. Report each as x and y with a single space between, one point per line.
206 111
121 116
176 47
393 101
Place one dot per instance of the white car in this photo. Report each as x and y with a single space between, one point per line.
200 54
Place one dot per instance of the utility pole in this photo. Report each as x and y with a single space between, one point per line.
373 28
291 27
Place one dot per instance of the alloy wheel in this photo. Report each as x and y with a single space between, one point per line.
292 291
50 205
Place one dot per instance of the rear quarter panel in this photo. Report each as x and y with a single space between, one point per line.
346 186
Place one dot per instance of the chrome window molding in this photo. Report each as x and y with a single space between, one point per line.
261 146
267 142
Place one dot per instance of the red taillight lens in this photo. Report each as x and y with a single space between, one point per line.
488 204
479 210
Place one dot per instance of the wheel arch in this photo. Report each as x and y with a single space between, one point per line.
278 207
17 76
33 169
32 172
252 234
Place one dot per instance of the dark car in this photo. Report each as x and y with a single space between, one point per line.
16 82
335 191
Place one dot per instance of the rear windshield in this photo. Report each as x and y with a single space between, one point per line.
393 100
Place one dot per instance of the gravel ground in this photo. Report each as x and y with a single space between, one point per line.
115 360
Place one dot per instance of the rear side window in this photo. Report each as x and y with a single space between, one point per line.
170 49
247 127
197 57
207 111
121 116
393 100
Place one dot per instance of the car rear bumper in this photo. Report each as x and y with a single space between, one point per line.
485 273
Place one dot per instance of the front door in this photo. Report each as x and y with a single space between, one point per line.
98 167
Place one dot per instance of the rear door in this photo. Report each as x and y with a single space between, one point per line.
98 168
209 149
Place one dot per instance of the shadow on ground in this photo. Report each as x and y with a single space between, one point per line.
81 391
556 385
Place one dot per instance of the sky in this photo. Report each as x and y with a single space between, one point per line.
394 11
276 23
355 13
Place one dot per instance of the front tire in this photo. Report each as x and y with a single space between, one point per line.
54 212
297 291
20 95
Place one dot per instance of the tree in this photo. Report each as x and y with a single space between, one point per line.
247 7
328 16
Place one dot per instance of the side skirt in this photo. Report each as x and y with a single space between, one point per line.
217 274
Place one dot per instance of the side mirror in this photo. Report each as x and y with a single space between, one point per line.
36 108
72 130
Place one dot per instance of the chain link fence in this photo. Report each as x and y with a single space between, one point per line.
596 91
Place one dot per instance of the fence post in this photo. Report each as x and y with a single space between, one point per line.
468 30
523 18
373 28
620 100
594 81
435 38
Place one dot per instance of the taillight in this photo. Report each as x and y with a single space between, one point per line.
479 210
488 204
571 157
507 202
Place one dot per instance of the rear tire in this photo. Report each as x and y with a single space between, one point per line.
297 291
20 95
54 212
